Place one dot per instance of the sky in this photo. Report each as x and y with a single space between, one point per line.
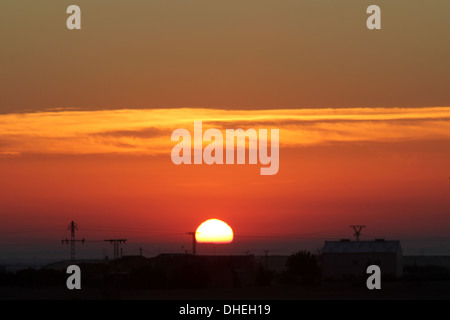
112 173
86 118
252 54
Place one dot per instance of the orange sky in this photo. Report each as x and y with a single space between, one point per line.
111 172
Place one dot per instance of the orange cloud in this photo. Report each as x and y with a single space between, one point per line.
148 131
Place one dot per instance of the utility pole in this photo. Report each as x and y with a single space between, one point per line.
357 229
266 258
194 242
72 227
116 243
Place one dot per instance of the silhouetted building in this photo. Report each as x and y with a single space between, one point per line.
346 259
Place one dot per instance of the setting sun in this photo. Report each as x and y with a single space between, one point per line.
214 231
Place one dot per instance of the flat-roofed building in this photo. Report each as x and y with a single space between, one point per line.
347 258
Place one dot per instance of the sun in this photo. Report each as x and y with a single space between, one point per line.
214 231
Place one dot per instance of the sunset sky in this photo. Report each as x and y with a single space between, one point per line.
86 119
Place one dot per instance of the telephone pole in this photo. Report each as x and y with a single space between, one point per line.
194 242
357 229
266 258
72 227
116 243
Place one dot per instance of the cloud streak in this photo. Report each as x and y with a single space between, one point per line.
130 131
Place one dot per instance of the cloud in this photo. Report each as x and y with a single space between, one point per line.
132 131
245 124
146 133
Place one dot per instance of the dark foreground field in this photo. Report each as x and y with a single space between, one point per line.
424 290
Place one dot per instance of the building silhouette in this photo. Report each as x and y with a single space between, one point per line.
346 259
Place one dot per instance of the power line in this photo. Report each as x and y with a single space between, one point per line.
29 230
